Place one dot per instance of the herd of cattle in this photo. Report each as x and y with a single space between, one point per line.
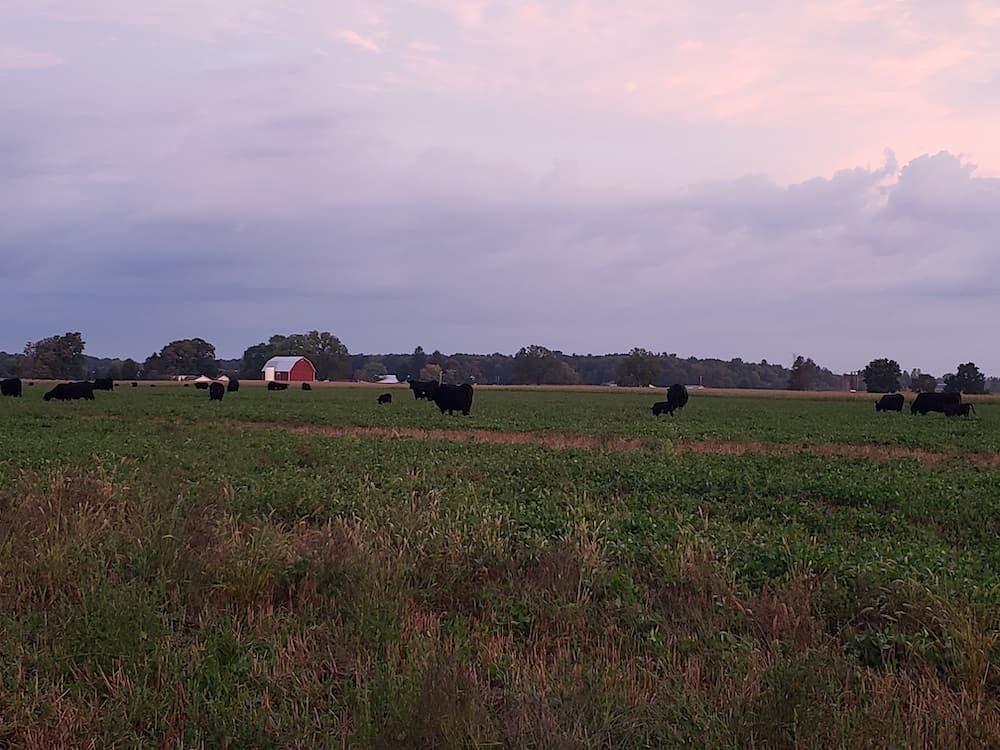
446 397
452 398
950 404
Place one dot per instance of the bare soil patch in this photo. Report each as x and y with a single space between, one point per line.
563 441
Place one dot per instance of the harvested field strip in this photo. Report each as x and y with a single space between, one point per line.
569 441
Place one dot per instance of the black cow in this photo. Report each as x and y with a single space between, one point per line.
216 391
452 398
306 387
10 387
134 384
273 385
959 410
423 389
662 406
925 402
104 384
202 386
890 402
677 397
233 385
71 391
385 398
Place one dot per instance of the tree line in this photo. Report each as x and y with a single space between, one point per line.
63 357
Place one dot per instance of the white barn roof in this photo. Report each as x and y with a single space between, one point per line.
281 364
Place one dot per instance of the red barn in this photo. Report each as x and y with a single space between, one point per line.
289 370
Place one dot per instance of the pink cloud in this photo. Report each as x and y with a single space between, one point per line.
14 58
349 36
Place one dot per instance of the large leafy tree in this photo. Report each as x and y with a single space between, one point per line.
803 375
56 357
882 376
540 366
922 382
639 368
183 357
967 379
329 356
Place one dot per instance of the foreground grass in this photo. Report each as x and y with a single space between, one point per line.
188 585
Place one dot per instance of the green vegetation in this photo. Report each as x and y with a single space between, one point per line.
173 574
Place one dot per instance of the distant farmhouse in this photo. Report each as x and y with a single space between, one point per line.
289 370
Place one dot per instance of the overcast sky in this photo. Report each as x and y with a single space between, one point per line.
706 177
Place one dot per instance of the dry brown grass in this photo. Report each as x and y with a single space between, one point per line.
555 441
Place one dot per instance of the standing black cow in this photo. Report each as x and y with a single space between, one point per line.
233 386
890 402
385 398
959 410
273 385
925 402
216 391
452 398
71 391
104 384
306 387
10 387
423 389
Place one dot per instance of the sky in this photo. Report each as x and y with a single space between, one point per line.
723 179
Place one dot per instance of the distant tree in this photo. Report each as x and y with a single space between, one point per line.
373 370
253 361
967 379
993 385
803 374
13 365
922 382
540 366
882 376
129 369
640 368
431 372
183 357
418 361
59 357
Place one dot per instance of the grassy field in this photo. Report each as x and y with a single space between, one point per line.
179 573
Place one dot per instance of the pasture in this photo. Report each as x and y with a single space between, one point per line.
559 570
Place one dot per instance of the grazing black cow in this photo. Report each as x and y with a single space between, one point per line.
385 398
273 385
10 387
890 402
104 384
216 391
452 398
202 386
663 406
959 410
233 386
71 391
306 387
423 389
134 384
925 402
